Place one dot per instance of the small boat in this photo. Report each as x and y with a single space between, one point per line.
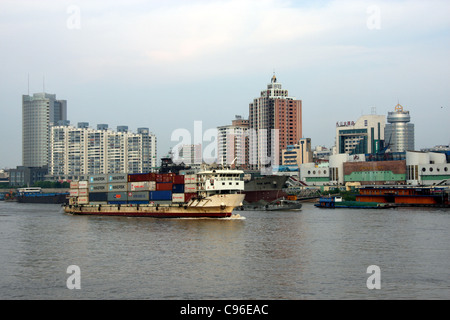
338 202
283 205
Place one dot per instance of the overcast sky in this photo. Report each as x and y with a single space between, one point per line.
165 64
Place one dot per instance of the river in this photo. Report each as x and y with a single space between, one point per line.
308 254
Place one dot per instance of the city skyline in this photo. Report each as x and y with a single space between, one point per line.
164 65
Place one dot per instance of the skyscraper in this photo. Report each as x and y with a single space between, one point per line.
275 121
399 133
39 113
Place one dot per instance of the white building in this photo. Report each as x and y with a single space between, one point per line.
39 113
232 143
76 151
366 135
426 168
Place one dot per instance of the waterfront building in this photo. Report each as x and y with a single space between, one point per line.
275 121
39 112
366 135
26 176
427 168
232 143
399 132
77 151
297 154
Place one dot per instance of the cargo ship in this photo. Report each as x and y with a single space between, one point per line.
204 194
265 189
35 195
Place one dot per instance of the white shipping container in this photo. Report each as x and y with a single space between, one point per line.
82 184
190 188
73 193
118 187
190 178
83 200
83 192
74 185
142 186
177 197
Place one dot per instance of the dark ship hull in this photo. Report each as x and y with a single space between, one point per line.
265 189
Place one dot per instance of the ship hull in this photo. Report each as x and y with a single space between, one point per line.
44 198
217 206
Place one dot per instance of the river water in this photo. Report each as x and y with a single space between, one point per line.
309 254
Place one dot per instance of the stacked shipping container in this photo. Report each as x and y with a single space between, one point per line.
141 188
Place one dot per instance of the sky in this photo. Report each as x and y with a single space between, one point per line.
167 64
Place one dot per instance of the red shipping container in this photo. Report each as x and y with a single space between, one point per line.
189 196
164 186
138 177
178 179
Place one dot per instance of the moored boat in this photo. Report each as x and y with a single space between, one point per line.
337 202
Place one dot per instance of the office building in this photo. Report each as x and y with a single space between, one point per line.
366 135
275 121
399 132
39 113
295 155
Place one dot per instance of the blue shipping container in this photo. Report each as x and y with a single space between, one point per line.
117 202
160 195
178 188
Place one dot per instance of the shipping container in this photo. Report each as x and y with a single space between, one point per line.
118 187
190 188
98 196
140 195
142 186
160 195
118 178
177 197
165 177
98 188
113 196
178 188
74 185
97 203
138 177
189 196
117 202
83 192
164 186
83 200
178 179
190 178
138 202
101 178
82 184
73 193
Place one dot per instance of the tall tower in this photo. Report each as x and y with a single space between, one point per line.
275 121
399 133
39 113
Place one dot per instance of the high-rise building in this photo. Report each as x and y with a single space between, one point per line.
232 143
295 155
39 113
366 135
399 133
81 150
275 121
